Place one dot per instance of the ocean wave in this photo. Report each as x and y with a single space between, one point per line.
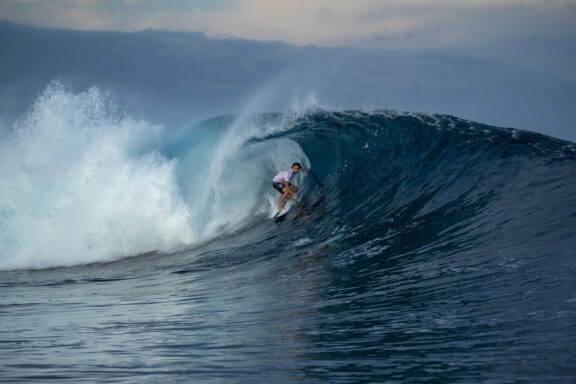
84 184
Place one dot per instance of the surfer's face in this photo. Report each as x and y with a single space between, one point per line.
295 169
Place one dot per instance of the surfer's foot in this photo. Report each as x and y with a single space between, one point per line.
280 207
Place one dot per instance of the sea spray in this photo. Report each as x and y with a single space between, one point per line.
82 184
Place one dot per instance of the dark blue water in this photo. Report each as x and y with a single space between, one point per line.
423 249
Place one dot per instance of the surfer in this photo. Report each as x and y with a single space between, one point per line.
281 183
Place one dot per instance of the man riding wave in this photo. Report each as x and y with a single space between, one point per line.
281 183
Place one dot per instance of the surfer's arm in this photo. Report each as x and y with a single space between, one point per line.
288 189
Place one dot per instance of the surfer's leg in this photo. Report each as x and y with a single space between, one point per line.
283 200
286 196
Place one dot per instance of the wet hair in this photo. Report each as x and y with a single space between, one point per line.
298 164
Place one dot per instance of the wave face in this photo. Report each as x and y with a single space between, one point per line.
422 248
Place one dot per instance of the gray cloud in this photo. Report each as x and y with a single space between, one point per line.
175 77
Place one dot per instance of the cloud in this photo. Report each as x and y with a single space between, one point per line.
412 23
534 37
501 29
430 23
76 14
178 76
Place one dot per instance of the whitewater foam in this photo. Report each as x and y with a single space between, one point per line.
82 183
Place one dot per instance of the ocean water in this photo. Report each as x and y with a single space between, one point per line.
422 249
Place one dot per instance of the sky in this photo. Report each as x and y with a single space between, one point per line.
389 23
502 62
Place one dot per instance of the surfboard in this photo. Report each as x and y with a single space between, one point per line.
287 206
